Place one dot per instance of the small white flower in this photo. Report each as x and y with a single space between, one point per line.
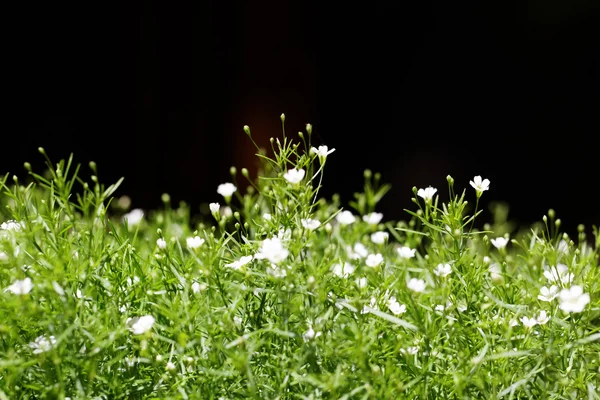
134 217
42 344
563 247
573 299
267 216
548 294
513 322
374 260
528 322
237 320
310 334
412 350
417 285
379 237
294 176
58 289
194 242
496 273
543 318
20 287
277 272
238 264
372 305
439 308
443 270
558 274
140 325
373 218
170 366
500 242
11 225
273 250
226 189
405 252
343 270
395 307
196 287
480 185
322 152
214 207
310 223
226 211
427 193
345 217
358 251
161 243
361 282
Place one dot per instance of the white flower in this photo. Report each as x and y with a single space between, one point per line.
170 366
42 344
226 211
310 334
58 289
322 152
277 272
443 270
417 285
395 307
20 287
427 193
373 260
563 247
496 273
294 175
373 218
480 185
439 307
345 218
406 252
214 207
358 251
500 242
361 282
410 350
3 256
139 325
238 264
548 294
273 250
573 299
310 223
11 225
379 237
226 189
528 322
196 287
542 318
372 305
161 243
267 216
558 274
134 217
194 242
343 270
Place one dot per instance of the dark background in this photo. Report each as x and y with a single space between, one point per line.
158 92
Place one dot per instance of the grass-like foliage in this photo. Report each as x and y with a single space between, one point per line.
278 293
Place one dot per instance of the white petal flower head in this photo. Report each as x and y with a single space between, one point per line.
161 243
406 252
310 334
276 271
345 217
226 189
573 299
273 250
238 264
548 294
558 274
42 344
361 283
267 216
528 322
496 273
343 270
358 251
395 307
214 207
379 237
322 152
427 193
140 325
11 225
500 242
310 224
412 350
21 287
443 270
374 260
480 185
373 218
543 318
416 285
196 287
194 242
134 217
294 176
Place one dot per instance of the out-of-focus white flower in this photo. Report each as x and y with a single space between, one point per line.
416 285
226 189
361 283
194 242
500 242
134 217
358 251
42 344
573 299
294 176
161 243
345 217
374 260
542 318
558 274
273 250
395 307
343 270
373 218
310 223
20 287
140 325
406 252
379 237
238 264
443 270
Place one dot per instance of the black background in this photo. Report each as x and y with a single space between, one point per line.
158 92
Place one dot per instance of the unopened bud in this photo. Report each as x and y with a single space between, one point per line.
309 129
247 130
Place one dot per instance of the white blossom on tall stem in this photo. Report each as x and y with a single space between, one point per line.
322 152
226 190
373 218
345 218
406 252
161 243
480 185
427 193
238 264
42 344
374 260
500 242
134 217
573 299
416 285
548 294
194 242
11 225
294 176
273 250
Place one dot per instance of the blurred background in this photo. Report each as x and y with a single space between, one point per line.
158 92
